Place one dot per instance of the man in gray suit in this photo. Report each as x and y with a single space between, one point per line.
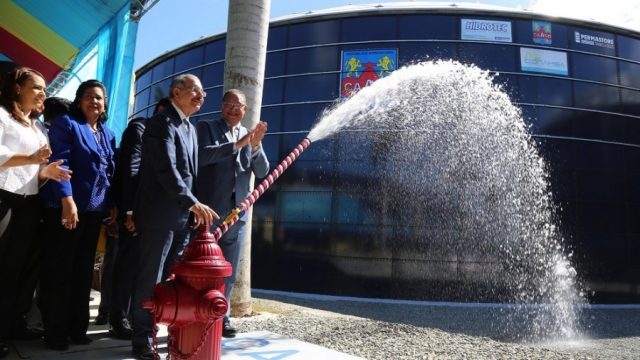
228 154
165 199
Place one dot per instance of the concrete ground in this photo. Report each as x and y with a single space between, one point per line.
243 346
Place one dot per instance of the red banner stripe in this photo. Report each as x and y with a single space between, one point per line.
25 55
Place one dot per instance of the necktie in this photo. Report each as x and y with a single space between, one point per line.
236 133
187 132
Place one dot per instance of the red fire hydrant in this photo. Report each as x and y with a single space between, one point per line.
193 303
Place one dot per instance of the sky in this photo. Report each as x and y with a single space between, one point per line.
173 23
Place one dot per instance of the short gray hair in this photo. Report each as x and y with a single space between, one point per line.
179 81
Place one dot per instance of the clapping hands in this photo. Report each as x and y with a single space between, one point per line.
258 133
253 137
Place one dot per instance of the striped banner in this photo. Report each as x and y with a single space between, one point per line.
48 35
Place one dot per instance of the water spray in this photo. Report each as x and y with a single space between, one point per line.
238 212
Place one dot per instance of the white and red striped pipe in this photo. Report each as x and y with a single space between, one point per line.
235 214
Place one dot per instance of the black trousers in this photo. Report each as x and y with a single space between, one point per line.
124 274
19 249
157 251
106 283
67 273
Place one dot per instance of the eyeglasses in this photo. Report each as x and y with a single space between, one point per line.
232 106
196 90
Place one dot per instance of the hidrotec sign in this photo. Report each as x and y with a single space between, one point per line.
487 30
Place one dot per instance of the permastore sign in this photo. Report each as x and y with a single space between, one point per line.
581 37
485 30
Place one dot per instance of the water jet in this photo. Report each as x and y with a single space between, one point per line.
456 164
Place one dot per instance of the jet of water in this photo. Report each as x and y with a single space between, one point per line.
454 160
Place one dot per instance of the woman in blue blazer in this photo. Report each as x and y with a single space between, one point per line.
74 212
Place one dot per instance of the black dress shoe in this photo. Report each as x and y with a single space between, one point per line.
26 334
101 319
81 340
228 331
144 352
121 329
4 350
56 344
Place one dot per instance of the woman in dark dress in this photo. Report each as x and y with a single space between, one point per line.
74 212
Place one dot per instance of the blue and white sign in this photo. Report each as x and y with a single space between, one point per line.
265 345
594 39
485 30
544 61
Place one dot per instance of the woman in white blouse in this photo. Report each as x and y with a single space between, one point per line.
24 154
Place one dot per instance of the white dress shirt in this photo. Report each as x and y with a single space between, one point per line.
183 117
15 138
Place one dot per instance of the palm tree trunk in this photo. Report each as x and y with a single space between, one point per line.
245 58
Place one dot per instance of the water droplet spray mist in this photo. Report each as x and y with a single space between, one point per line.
455 163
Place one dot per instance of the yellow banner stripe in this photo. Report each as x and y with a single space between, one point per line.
35 34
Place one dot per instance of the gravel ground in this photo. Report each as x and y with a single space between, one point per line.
399 331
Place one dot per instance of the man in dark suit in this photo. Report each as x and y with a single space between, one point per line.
165 199
228 154
122 251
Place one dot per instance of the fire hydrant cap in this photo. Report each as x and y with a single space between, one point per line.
202 260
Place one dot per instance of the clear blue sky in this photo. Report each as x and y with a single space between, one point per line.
173 23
